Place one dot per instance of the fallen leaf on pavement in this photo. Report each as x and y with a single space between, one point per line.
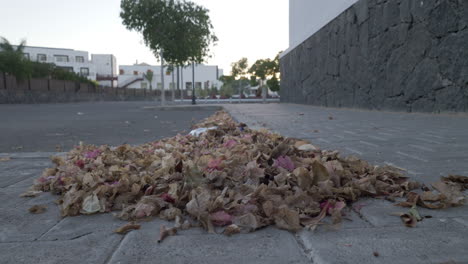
165 232
38 209
127 228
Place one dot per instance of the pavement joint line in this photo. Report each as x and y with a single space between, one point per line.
369 144
411 156
350 132
323 140
396 166
353 150
385 134
377 138
430 135
19 181
48 230
308 253
422 148
429 140
339 136
115 249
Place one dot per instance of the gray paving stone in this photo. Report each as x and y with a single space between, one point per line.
379 214
392 244
93 248
265 246
77 226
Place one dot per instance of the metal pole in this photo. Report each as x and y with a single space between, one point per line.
193 83
172 85
240 85
182 81
178 79
162 79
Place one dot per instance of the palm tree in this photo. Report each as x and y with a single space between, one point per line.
12 60
149 76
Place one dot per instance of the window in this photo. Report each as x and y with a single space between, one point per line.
41 57
79 59
144 85
121 72
135 72
61 58
172 85
206 84
188 85
84 71
26 55
198 85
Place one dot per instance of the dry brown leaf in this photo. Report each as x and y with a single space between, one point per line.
231 230
30 193
38 209
165 232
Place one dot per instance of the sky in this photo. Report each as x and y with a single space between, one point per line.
255 29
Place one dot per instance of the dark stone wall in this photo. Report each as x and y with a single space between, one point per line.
409 55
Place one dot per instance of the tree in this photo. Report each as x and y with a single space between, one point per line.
177 31
12 60
149 75
239 68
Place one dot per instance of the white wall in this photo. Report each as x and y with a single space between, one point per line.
203 73
306 17
106 65
72 62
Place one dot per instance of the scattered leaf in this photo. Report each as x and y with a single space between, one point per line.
38 209
127 228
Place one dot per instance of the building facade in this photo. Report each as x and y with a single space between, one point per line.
306 17
106 69
101 67
72 60
133 76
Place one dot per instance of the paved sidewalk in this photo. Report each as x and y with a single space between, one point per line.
375 136
427 146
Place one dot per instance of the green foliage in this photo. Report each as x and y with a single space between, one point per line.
41 70
253 80
227 90
12 60
273 84
226 79
264 68
181 29
239 68
149 75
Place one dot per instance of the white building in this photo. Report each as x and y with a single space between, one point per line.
101 68
106 69
72 60
132 76
306 17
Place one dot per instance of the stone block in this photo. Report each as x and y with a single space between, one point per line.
265 246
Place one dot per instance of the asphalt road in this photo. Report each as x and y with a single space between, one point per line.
59 127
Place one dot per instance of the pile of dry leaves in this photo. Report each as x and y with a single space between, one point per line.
227 176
